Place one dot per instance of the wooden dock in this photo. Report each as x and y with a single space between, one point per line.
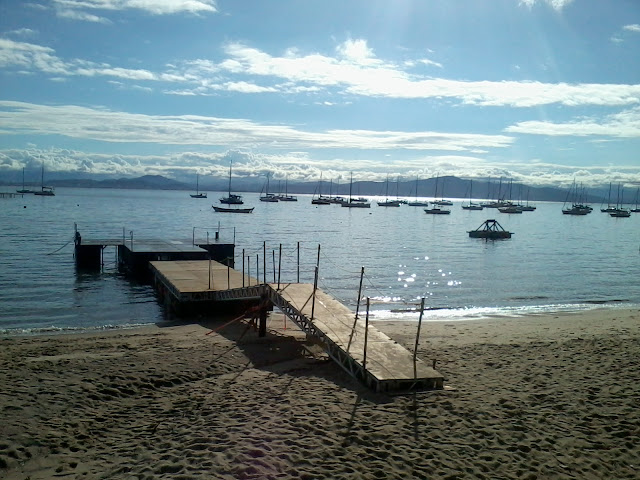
134 255
365 353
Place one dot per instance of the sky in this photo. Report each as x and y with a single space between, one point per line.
539 91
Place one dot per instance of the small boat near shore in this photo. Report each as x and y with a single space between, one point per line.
490 230
232 209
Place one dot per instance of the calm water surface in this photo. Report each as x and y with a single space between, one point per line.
553 262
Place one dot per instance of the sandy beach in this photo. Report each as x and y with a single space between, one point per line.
538 397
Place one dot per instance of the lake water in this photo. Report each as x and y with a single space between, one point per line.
553 262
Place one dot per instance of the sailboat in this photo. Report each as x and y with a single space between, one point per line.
268 197
321 200
609 208
527 207
416 202
636 209
24 190
232 198
577 208
620 212
471 205
337 199
198 194
286 197
355 202
441 201
387 202
436 210
44 191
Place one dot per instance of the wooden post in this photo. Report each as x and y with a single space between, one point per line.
415 350
228 274
298 262
209 255
262 327
264 262
273 254
257 268
243 267
249 270
359 292
313 300
193 236
355 320
279 265
366 334
131 234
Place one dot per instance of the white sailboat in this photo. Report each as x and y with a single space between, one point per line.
198 193
44 191
231 198
268 197
471 205
387 202
355 202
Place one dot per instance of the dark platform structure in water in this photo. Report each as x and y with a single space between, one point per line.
490 230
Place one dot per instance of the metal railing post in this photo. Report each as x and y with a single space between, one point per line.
243 267
264 262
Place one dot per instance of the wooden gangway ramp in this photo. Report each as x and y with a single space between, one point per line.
384 365
387 365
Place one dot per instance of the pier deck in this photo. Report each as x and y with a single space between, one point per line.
386 365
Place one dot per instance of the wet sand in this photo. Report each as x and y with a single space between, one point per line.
546 397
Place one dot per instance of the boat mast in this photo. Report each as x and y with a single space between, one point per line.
350 186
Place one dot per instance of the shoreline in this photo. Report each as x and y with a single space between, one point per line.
539 397
386 316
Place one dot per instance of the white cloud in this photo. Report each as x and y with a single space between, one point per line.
78 9
80 15
625 124
22 32
355 72
632 28
555 4
121 127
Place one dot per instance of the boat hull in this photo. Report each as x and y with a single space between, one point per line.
232 210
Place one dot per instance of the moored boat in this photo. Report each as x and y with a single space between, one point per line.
232 210
231 198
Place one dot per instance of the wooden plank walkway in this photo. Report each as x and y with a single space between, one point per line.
388 366
188 280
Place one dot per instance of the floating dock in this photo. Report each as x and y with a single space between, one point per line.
134 255
364 352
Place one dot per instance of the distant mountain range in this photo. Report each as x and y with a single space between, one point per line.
449 187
